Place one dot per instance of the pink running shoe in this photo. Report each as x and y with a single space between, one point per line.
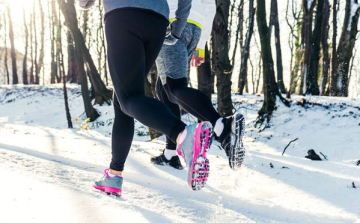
193 149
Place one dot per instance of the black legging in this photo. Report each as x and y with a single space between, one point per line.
134 39
176 92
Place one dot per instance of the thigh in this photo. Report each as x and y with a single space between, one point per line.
155 29
126 57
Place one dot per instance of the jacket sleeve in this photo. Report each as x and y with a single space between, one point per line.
181 15
86 4
209 12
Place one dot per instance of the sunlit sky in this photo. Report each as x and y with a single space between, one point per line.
17 7
19 3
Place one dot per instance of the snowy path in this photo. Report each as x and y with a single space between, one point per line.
151 195
56 184
47 171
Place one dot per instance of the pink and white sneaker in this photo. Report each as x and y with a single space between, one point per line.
193 149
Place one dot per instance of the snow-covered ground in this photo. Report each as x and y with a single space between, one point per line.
47 170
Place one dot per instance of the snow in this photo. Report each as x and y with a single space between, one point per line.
49 170
354 7
309 4
304 80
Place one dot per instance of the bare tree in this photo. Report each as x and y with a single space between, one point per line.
36 76
274 22
52 24
325 46
271 89
345 49
294 44
15 79
72 65
59 53
68 10
25 73
6 67
63 75
306 37
67 109
333 87
40 63
245 51
103 46
31 74
220 57
102 94
312 86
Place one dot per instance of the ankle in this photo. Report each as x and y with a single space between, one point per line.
113 173
169 153
181 137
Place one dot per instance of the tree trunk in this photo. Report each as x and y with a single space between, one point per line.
245 51
67 109
312 86
31 74
25 73
274 21
36 77
59 54
294 75
220 57
325 47
259 75
6 52
345 48
53 24
270 87
103 45
306 36
102 94
71 22
72 74
333 88
15 79
98 41
42 44
205 80
239 30
63 75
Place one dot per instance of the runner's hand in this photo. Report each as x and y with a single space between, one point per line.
197 61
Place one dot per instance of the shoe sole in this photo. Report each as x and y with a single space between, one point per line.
237 151
199 171
108 190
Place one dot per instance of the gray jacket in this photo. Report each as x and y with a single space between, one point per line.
159 6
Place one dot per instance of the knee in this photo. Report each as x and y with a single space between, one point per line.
171 93
174 87
125 102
